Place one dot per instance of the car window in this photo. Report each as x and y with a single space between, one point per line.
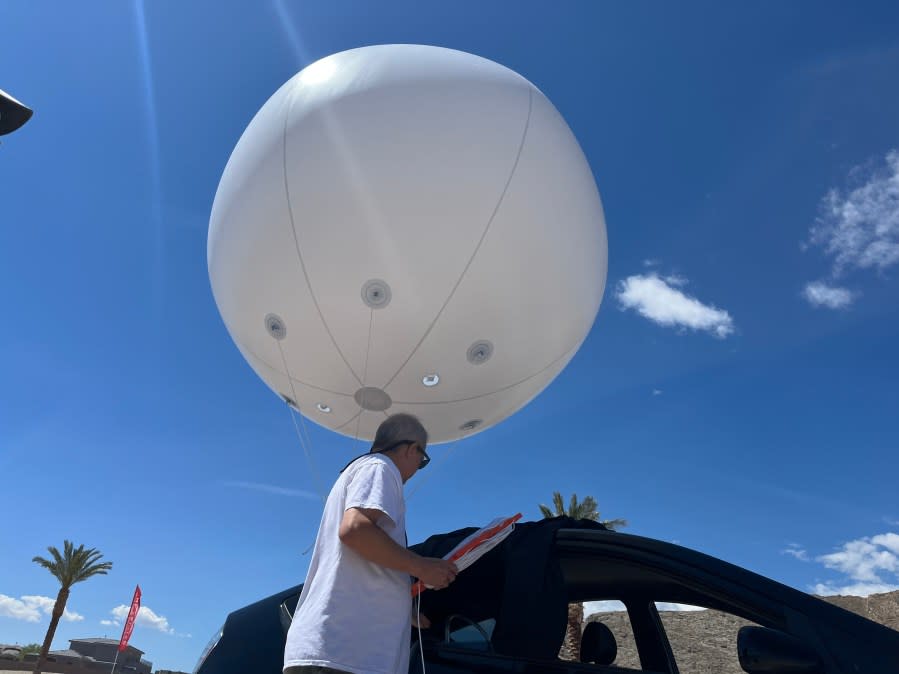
613 614
702 639
469 636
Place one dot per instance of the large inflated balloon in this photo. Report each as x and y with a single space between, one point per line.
407 228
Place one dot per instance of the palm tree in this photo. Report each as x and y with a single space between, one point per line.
73 566
583 510
579 510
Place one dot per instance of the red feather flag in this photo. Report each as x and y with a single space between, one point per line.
129 623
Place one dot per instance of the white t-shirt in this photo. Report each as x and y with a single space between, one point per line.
355 615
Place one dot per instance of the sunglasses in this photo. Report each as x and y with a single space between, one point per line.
425 459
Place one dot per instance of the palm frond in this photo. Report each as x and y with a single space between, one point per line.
46 563
614 524
558 503
94 570
578 510
74 565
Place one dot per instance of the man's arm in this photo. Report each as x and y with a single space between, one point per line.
360 532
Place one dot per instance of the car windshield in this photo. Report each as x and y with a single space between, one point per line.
208 648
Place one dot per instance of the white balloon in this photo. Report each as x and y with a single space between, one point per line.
407 228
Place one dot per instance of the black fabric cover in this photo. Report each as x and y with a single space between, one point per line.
518 583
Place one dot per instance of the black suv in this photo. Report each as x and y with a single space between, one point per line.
508 613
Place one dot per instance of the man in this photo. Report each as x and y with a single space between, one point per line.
354 614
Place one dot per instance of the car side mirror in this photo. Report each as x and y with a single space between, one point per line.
13 114
766 651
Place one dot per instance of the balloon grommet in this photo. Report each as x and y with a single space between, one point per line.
430 380
376 294
290 402
471 425
275 326
325 409
480 352
374 399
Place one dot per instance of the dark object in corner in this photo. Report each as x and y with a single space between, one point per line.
762 651
12 113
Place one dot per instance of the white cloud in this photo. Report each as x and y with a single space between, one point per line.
146 617
10 607
820 294
30 607
859 228
44 604
852 589
889 541
658 300
272 489
657 392
862 560
110 623
797 551
870 563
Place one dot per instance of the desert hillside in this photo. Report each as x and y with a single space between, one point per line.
706 641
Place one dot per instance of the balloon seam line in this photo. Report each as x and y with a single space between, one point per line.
296 242
480 242
499 390
371 320
348 421
290 377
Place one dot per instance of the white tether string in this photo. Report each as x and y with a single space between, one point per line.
303 444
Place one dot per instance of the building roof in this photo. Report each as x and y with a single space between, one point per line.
69 653
97 640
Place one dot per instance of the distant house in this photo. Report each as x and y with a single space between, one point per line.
90 656
10 652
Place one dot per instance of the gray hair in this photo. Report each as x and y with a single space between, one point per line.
397 429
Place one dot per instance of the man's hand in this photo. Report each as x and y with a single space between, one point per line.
420 620
436 573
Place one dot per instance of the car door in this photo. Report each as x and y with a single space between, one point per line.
760 621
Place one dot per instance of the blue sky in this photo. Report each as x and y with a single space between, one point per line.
738 392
